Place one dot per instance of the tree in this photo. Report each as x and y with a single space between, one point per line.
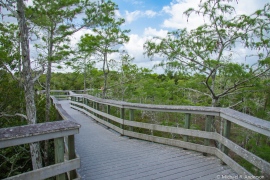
127 74
106 38
27 77
55 23
211 49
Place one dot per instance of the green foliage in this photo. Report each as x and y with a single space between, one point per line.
16 160
9 53
209 49
107 35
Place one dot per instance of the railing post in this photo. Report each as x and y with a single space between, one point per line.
122 116
187 124
208 123
108 112
131 118
97 108
71 154
226 133
59 150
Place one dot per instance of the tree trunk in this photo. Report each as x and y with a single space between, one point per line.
48 90
47 110
105 72
84 77
28 82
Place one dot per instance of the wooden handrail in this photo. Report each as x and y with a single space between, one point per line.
38 132
79 102
57 130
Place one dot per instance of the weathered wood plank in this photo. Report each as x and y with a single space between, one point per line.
153 107
49 171
234 165
113 118
226 134
253 159
172 142
71 154
99 120
59 150
187 124
259 126
169 129
110 156
36 132
131 118
250 122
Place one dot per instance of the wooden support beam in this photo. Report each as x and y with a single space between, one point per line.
208 123
59 150
131 118
108 112
122 116
226 133
187 124
71 154
97 108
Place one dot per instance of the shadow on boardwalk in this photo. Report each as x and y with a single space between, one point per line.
107 155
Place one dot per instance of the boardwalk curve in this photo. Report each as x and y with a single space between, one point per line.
107 155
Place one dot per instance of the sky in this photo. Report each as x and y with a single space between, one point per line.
148 18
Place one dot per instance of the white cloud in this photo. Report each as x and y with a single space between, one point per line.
137 2
118 14
154 32
150 13
177 20
135 47
75 38
132 16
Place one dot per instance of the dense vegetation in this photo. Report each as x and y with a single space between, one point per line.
200 68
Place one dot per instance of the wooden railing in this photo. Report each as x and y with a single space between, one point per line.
66 161
99 109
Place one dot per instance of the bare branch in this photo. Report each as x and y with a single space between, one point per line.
9 71
8 6
194 90
236 85
236 104
3 114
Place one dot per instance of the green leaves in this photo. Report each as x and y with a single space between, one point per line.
9 52
212 49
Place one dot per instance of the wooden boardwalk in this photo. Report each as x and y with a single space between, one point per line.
107 155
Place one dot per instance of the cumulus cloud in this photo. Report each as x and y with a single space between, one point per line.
134 15
75 38
151 32
177 20
135 47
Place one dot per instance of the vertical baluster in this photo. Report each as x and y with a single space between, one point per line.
71 154
226 133
208 123
131 118
108 112
122 116
59 150
187 124
97 108
94 106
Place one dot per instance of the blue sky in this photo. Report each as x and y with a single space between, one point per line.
148 18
